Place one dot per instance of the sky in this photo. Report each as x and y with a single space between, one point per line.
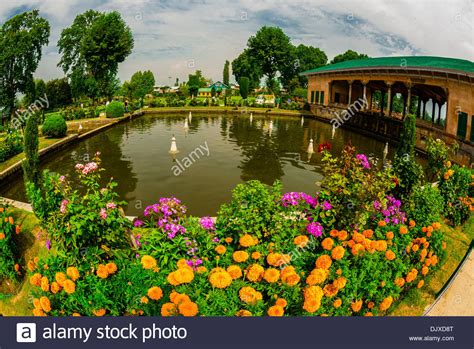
173 38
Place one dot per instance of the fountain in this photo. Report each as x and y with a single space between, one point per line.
174 147
385 151
270 127
190 116
310 147
251 117
333 131
186 123
302 120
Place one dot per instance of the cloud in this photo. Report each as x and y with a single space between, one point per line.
175 37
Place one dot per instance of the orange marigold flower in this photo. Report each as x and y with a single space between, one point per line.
183 275
403 229
424 270
389 235
274 259
281 302
276 310
171 279
144 300
234 271
31 266
330 290
390 255
381 245
60 278
248 240
369 314
155 293
271 275
342 235
323 262
201 269
420 284
17 229
291 279
334 233
356 306
220 279
169 309
35 280
240 256
357 237
228 239
312 305
69 286
338 252
45 284
436 225
415 248
38 312
220 249
55 287
2 236
317 276
368 233
313 292
45 304
400 282
327 243
102 271
386 303
370 305
16 267
76 314
249 295
99 312
357 249
148 262
73 273
111 267
301 241
255 272
256 255
337 303
243 312
180 298
340 282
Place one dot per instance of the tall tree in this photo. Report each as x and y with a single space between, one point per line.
196 81
349 55
272 50
244 65
58 92
141 84
225 75
21 40
244 87
308 57
91 49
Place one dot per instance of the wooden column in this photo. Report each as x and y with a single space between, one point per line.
389 98
418 107
433 111
349 98
424 109
408 100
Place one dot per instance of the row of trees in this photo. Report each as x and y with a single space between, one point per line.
271 55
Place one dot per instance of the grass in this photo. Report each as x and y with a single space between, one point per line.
43 143
416 301
14 297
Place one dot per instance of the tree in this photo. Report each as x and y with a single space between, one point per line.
308 57
349 55
58 92
21 40
244 87
195 82
225 75
31 169
91 49
141 84
244 65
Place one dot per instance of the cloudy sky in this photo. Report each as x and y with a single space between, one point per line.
175 37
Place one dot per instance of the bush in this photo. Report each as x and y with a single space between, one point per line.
11 144
99 110
54 126
425 205
8 267
115 109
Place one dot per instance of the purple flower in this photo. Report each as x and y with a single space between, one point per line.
207 223
48 244
326 205
315 229
138 223
294 198
216 239
363 160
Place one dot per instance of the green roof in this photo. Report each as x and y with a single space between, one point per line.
205 89
400 62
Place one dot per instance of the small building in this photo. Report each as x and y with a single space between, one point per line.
218 88
438 90
205 92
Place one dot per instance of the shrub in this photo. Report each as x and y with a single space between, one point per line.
54 126
425 205
8 267
99 110
115 109
11 144
438 154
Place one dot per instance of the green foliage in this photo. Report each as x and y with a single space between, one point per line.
425 205
91 49
21 40
244 87
349 55
141 84
195 82
225 73
300 93
457 188
30 165
58 92
438 155
308 57
245 66
115 109
11 144
7 245
353 182
54 126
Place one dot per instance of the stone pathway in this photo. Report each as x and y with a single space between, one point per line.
457 299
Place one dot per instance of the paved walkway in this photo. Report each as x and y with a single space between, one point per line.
457 299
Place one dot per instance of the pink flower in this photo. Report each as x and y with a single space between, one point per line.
111 205
62 179
89 167
79 167
315 229
103 213
64 206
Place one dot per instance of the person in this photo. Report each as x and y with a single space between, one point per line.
126 106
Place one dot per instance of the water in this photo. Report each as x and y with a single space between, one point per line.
136 155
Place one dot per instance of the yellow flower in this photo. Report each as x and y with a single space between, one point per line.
188 309
100 312
275 310
69 286
256 255
184 275
45 304
337 303
55 287
249 295
102 271
317 276
155 293
234 271
356 306
255 273
248 240
281 302
169 309
144 300
271 275
35 280
240 256
148 262
312 305
243 312
323 262
45 284
228 240
73 273
220 279
220 249
60 278
337 252
301 241
386 303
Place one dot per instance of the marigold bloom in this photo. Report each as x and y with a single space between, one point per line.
248 240
436 225
69 286
424 270
180 298
55 287
370 305
35 280
281 302
220 279
249 295
291 279
334 233
2 236
234 271
228 239
36 303
183 275
313 292
327 243
337 303
275 310
317 276
338 252
155 293
400 282
357 249
45 284
312 305
255 272
111 268
220 249
243 312
342 235
76 314
169 309
369 314
381 245
17 229
356 306
382 223
330 290
323 262
357 237
256 255
271 275
403 229
45 304
368 233
182 263
99 312
415 248
389 235
171 279
386 303
340 282
240 256
390 255
144 300
38 312
102 271
301 241
31 266
73 273
148 262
